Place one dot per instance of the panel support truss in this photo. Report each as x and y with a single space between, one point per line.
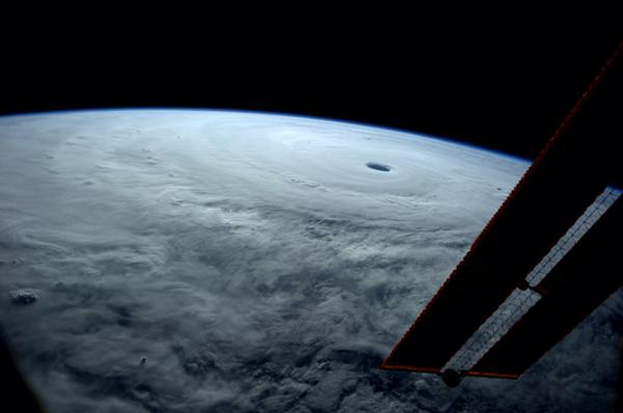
521 301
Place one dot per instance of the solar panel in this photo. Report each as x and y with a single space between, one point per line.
587 275
579 161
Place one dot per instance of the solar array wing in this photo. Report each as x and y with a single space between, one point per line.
587 275
578 162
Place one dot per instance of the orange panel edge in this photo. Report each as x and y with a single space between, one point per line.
469 373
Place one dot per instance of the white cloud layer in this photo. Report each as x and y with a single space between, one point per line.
254 261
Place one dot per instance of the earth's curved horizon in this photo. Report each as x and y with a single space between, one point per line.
172 260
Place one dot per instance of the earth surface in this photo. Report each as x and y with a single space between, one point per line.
213 261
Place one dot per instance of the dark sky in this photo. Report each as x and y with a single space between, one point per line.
505 89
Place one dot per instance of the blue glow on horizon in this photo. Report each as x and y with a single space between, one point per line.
283 114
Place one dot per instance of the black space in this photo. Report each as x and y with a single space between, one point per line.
502 89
